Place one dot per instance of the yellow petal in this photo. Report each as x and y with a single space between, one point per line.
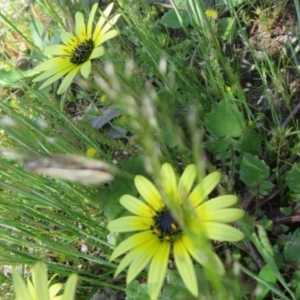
40 281
136 206
204 188
80 26
57 63
195 253
158 269
149 192
222 232
55 77
67 80
185 267
142 258
131 223
102 37
131 242
21 290
57 50
125 262
97 52
91 20
219 202
168 180
85 68
199 256
186 181
31 289
225 215
102 20
66 37
70 288
54 289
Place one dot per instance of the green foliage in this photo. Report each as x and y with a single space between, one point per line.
179 83
254 173
170 19
292 179
225 120
39 35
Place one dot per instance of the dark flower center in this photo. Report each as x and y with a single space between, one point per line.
82 52
165 227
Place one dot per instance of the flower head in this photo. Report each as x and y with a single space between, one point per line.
160 233
77 50
39 288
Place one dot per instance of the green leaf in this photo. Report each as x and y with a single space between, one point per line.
39 36
287 211
171 20
11 77
293 178
109 198
133 165
250 142
225 119
254 172
290 249
218 145
266 274
136 291
226 29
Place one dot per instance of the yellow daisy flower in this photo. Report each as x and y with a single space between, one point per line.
161 233
77 50
40 288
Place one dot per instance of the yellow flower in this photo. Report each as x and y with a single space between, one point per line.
161 233
39 288
77 50
212 13
91 152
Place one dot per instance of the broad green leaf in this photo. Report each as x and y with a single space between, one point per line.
293 178
254 173
218 145
290 249
171 20
136 291
250 142
226 29
225 119
133 166
266 274
253 170
287 211
39 36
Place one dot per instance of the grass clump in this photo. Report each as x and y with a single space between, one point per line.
160 88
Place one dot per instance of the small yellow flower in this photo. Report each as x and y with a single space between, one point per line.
160 233
212 13
39 288
77 50
91 152
103 99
